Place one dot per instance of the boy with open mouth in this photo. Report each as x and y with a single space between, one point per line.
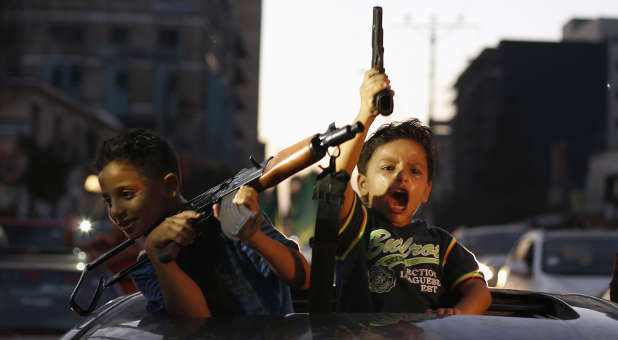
387 260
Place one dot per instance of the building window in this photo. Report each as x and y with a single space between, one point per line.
65 76
168 38
66 33
75 76
117 94
56 77
119 36
122 80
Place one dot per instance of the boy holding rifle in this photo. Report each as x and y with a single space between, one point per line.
388 262
211 274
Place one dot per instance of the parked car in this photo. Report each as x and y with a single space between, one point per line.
38 270
561 261
491 245
36 236
513 315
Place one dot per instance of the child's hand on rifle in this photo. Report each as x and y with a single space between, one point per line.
175 228
373 82
248 197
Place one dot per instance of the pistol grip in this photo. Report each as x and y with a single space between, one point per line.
384 102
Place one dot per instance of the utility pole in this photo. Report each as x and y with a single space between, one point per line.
433 27
432 66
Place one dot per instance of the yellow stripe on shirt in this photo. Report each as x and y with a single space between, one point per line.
349 218
448 250
465 277
358 237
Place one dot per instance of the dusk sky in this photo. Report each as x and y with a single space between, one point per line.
314 53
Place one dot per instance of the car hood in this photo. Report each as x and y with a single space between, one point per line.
135 323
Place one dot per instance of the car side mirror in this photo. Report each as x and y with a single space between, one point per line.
519 268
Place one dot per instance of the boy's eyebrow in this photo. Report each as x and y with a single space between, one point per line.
120 188
387 158
117 189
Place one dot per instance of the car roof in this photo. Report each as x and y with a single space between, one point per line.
516 315
570 233
496 228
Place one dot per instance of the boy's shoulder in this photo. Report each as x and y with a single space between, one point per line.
439 231
432 231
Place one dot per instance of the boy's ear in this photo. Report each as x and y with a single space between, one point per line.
361 183
427 192
172 185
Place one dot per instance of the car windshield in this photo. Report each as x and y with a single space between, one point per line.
580 255
39 299
491 243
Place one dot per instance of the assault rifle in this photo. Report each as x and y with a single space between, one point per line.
384 99
260 176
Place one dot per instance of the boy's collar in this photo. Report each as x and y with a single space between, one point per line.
417 222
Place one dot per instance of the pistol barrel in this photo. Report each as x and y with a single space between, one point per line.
377 58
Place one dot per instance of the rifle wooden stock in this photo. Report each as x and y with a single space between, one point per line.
288 162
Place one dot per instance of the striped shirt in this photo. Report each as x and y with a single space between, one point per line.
234 278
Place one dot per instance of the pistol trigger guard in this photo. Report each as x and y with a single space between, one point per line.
338 153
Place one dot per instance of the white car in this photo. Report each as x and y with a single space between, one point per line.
561 261
491 245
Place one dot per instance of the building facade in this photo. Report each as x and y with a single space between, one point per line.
185 68
601 183
601 30
529 115
47 145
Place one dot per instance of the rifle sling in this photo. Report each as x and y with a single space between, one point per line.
328 190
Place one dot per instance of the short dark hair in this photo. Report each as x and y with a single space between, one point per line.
411 129
148 152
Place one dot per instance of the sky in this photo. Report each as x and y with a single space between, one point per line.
314 53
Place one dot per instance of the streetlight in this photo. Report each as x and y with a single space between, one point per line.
85 226
91 184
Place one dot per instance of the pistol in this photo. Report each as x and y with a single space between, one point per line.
384 99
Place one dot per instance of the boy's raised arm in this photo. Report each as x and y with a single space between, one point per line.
287 263
373 82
